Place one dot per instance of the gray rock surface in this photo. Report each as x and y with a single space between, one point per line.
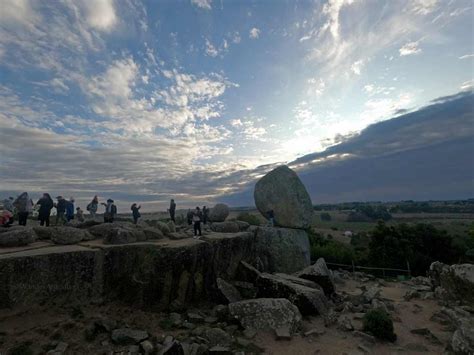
229 226
308 300
266 314
320 274
126 336
456 280
282 191
219 213
69 235
17 237
281 249
227 292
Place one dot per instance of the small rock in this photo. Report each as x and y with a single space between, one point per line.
344 323
314 331
133 349
416 347
410 294
427 334
211 320
194 317
363 348
127 336
283 333
61 347
220 350
147 346
250 333
173 348
217 336
243 342
367 337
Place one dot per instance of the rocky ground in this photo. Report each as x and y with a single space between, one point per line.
421 323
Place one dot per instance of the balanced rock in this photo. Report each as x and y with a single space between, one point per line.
282 192
282 249
266 314
308 300
219 213
319 273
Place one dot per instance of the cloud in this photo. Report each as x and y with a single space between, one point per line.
210 49
254 33
423 7
203 4
357 66
410 48
100 14
466 56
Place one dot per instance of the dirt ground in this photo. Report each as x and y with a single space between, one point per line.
43 327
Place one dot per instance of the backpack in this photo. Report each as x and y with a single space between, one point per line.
114 210
88 207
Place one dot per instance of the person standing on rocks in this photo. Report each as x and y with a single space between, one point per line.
70 209
197 217
80 214
189 216
172 210
110 211
24 206
60 210
46 205
93 206
135 212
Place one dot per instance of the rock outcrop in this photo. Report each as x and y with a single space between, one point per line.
319 273
281 249
455 282
17 237
266 314
219 213
282 191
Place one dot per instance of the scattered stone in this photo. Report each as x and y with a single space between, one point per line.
133 349
283 333
220 350
125 336
246 289
410 294
378 304
61 347
221 312
299 280
366 337
217 336
282 191
308 300
315 331
172 348
249 333
211 320
227 292
219 213
371 293
195 317
363 348
266 314
345 324
147 346
456 280
320 274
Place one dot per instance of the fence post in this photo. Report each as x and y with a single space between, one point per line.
408 267
383 273
353 267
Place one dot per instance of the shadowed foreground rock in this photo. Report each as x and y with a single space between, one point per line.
319 273
455 282
266 314
282 191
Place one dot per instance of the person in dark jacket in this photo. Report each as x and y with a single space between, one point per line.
60 210
135 212
197 218
24 206
46 205
110 211
70 209
172 210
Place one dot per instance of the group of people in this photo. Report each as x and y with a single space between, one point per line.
23 206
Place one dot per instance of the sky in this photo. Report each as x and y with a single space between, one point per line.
195 99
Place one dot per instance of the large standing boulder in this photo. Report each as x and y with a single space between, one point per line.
266 314
308 300
283 192
456 280
219 213
17 237
319 273
281 249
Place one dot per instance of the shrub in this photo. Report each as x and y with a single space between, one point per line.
251 219
379 323
325 216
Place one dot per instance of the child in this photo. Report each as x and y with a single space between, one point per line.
80 214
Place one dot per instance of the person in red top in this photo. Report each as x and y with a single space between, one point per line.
6 218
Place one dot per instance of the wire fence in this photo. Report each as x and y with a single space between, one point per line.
384 270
